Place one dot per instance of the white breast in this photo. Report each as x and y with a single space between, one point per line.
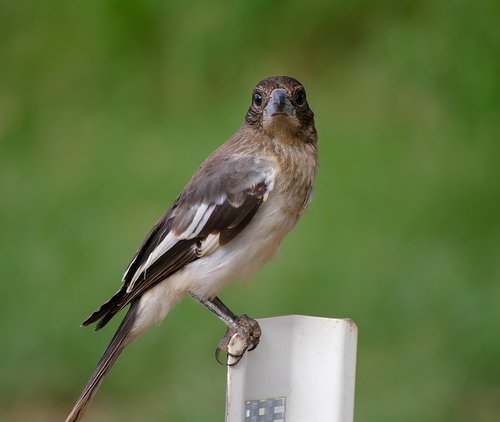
240 258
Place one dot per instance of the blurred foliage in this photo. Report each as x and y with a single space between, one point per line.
108 107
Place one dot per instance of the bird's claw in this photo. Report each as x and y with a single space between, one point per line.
245 335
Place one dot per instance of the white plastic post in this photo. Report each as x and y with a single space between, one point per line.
302 371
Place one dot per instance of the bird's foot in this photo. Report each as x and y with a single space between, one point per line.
243 336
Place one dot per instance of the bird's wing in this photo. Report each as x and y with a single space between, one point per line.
216 205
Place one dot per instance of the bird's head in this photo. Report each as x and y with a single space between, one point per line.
279 108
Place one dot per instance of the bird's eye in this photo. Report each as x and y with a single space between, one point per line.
257 99
300 97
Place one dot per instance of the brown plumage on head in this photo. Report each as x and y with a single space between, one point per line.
300 122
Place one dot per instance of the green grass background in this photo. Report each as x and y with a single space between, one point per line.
107 107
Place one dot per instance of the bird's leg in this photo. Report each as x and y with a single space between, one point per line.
239 327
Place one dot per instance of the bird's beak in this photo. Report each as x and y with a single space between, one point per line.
279 103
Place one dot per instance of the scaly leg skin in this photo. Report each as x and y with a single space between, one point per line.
243 333
248 331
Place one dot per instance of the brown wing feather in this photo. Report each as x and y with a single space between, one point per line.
227 220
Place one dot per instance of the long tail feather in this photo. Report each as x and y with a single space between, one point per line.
107 360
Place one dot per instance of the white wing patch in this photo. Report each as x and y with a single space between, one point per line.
199 222
169 241
201 211
210 244
201 216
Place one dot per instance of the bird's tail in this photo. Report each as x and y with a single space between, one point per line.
107 360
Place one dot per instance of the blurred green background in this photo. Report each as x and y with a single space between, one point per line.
108 107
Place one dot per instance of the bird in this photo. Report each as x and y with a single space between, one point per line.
227 222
